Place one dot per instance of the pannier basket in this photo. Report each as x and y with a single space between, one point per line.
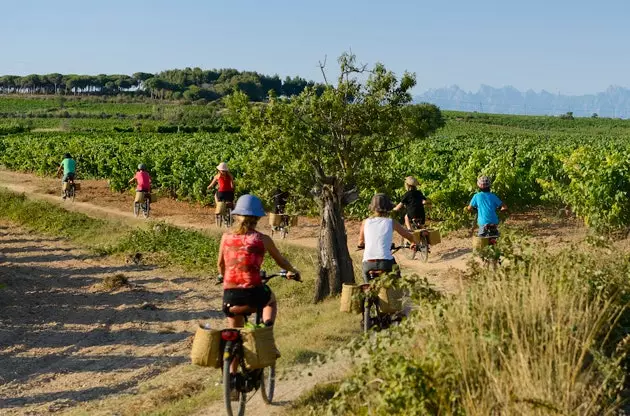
390 300
480 242
434 236
221 208
206 348
153 198
293 221
77 186
275 220
418 233
350 299
64 186
140 196
259 347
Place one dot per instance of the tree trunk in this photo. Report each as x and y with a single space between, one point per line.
335 264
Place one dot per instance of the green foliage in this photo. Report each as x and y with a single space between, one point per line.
545 334
334 135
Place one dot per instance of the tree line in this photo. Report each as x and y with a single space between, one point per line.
189 83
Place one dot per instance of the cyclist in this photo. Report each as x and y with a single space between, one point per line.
68 167
143 179
280 199
224 179
376 236
486 203
414 201
241 254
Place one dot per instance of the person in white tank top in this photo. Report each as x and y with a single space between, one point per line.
377 235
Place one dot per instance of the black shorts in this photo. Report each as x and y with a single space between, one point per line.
256 297
227 196
417 215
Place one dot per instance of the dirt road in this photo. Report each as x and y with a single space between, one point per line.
65 340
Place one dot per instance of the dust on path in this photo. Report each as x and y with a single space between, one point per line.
65 342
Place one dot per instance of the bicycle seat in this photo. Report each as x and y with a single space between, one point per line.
242 310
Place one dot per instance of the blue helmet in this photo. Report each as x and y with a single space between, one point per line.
249 205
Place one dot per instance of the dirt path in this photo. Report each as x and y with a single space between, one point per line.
96 199
65 341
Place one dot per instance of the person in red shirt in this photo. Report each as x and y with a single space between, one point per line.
241 254
142 178
224 179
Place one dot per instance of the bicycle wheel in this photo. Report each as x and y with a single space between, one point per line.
136 208
369 313
219 220
423 248
72 192
284 232
268 384
228 218
146 208
227 388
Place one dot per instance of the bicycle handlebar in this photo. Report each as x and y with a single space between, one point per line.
266 277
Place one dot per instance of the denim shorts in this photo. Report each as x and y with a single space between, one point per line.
384 265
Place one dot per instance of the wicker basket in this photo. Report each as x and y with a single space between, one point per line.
390 300
153 198
350 299
259 347
140 196
221 208
77 186
480 242
206 348
275 220
434 236
293 221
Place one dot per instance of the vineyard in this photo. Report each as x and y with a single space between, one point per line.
582 164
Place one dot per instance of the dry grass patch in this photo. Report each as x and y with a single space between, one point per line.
114 282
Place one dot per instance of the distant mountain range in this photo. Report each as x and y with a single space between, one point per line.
614 102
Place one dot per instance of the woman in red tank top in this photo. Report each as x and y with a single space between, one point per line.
224 179
241 255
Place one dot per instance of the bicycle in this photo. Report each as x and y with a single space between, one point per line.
283 227
245 381
143 206
490 255
372 314
422 247
69 191
224 218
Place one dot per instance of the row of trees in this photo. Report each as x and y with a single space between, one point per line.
189 83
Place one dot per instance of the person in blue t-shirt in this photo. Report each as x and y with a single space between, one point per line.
486 203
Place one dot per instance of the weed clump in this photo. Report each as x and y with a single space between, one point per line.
115 282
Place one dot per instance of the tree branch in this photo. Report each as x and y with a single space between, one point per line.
322 66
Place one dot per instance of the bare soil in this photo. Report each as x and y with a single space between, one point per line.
66 340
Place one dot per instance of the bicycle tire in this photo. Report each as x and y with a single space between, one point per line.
219 220
227 386
367 319
146 209
423 248
284 233
136 209
268 384
72 192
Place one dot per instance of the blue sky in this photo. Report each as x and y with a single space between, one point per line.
572 47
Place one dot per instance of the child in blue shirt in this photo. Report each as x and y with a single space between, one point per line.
486 203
